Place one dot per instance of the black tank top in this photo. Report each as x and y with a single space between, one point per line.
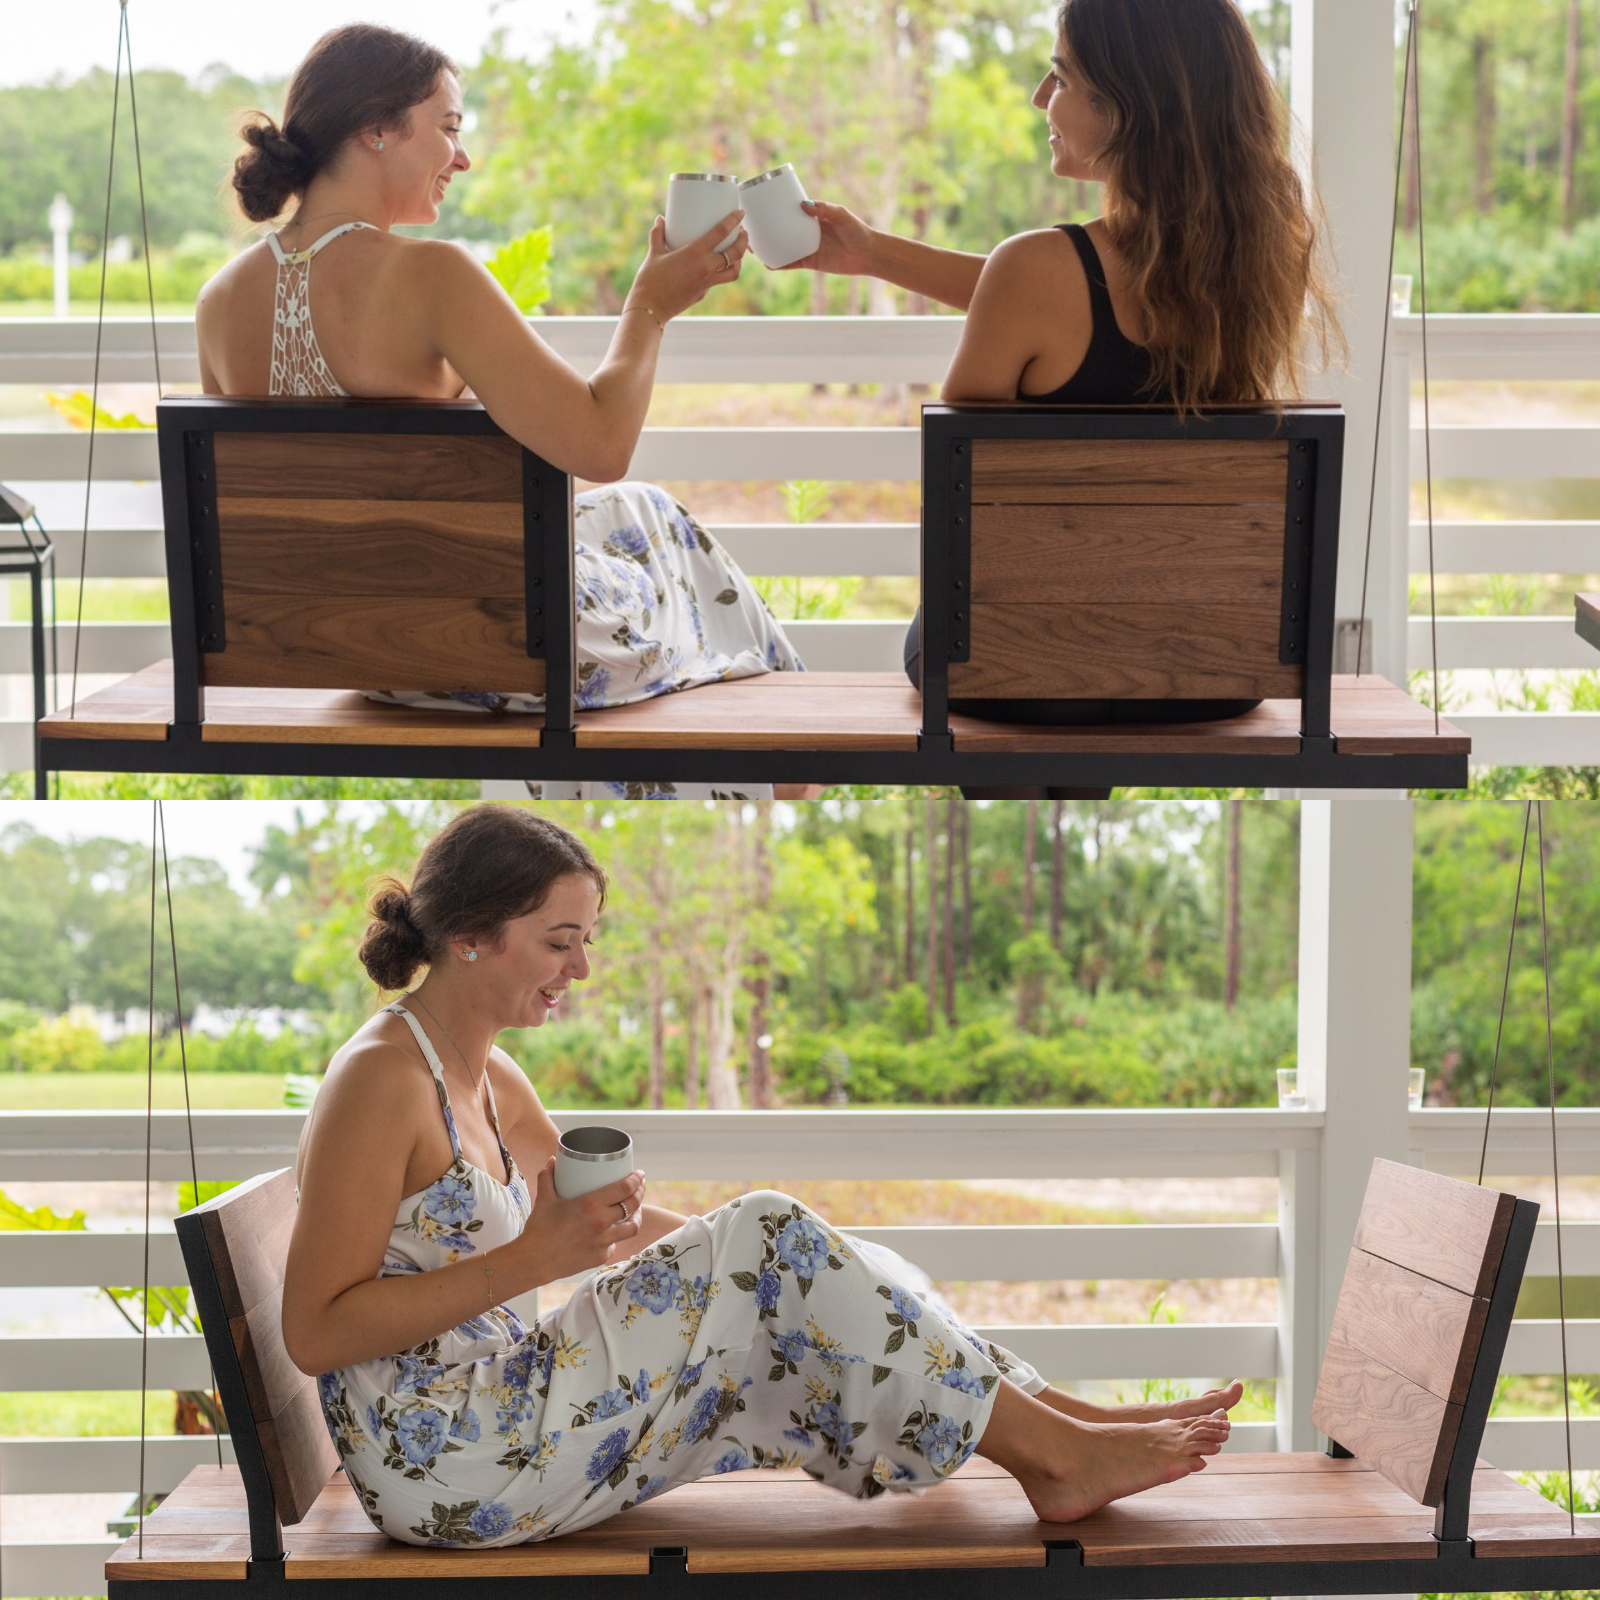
1116 371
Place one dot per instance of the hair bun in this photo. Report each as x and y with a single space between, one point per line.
270 171
393 946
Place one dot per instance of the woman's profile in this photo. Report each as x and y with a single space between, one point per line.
755 1336
336 303
1198 284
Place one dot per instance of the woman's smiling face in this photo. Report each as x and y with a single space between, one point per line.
1077 116
526 975
418 162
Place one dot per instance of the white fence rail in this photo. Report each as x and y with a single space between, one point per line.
1501 349
775 1147
48 463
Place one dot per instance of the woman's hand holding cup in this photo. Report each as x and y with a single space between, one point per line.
846 248
566 1237
670 281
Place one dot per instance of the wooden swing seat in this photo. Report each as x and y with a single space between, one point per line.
315 549
1588 618
1406 1383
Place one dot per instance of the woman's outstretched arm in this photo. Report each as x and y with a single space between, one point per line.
851 249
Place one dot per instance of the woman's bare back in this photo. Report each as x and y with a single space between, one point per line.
367 288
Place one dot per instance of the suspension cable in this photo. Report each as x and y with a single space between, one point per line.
149 1135
1505 990
1427 387
1555 1174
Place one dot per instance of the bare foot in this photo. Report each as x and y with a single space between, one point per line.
1107 1461
1201 1405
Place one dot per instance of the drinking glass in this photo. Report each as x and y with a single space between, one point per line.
1289 1096
1414 1088
590 1158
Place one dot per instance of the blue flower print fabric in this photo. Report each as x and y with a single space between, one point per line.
661 606
755 1337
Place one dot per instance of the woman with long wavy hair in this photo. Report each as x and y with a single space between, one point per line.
1199 284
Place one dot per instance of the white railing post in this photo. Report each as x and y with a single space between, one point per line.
1342 93
1299 1291
1355 1014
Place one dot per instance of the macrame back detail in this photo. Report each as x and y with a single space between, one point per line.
298 366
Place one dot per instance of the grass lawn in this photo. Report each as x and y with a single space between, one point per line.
125 1091
84 1414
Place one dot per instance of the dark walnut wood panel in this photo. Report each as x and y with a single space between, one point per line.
1306 1539
248 1240
376 642
1406 1432
367 466
396 547
1588 617
1465 1232
1424 1330
1371 717
324 716
299 1454
270 1377
1178 555
171 1558
1147 472
1132 652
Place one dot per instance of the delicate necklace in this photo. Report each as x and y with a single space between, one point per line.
477 1083
300 224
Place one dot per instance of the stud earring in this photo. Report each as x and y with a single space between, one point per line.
472 955
377 144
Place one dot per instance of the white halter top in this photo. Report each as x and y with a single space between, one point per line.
298 367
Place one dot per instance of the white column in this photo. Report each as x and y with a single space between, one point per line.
1355 1009
1299 1295
1342 91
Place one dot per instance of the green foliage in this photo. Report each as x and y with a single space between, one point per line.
79 408
16 1218
57 1044
522 268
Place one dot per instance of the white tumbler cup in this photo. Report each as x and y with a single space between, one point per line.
590 1158
697 201
780 232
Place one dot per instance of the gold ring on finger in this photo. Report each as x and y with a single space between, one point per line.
727 265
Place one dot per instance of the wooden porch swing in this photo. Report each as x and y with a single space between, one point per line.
316 549
1399 1503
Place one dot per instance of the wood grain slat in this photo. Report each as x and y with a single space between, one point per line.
1465 1233
375 1556
777 711
1136 652
1177 555
367 466
375 642
1406 1432
1151 472
330 716
459 549
248 1240
1425 1331
1371 717
1273 728
270 1377
1180 1543
218 1557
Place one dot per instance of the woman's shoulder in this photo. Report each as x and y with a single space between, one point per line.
376 1061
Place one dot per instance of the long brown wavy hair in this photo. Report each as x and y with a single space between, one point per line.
1201 199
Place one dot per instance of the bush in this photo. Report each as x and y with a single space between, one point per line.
57 1044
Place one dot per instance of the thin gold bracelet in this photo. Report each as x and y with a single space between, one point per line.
488 1273
649 313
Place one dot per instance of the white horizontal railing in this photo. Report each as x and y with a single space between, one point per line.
775 1147
47 462
1501 349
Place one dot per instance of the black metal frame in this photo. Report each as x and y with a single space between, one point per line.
37 560
1311 544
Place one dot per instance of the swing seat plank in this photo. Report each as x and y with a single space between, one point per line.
1588 618
318 548
1427 1303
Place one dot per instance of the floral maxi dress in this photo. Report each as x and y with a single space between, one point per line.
756 1336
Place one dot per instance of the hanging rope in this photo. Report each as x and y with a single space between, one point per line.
149 1135
1555 1173
1411 79
124 47
188 1111
1535 814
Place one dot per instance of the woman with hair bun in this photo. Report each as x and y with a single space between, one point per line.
371 139
757 1335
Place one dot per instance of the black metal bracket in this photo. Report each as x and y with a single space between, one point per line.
200 474
1337 1451
958 468
1294 624
533 541
266 1569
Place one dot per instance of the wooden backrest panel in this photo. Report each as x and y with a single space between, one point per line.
371 561
1127 569
247 1232
1452 1232
1410 1323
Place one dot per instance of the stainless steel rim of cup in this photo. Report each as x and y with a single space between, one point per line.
704 177
609 1136
767 177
